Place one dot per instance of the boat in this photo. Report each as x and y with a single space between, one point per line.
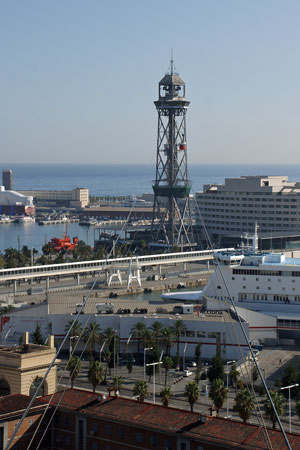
64 243
88 222
5 219
26 219
264 282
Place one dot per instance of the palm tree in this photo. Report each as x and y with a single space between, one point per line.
157 329
141 390
179 329
76 328
95 374
137 331
74 366
244 404
108 337
218 393
277 399
168 339
92 335
167 364
165 395
147 338
192 392
233 374
118 382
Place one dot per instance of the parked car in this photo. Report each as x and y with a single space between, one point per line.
186 373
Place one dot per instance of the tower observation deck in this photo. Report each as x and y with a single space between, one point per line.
171 185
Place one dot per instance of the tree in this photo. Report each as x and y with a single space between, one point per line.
92 335
218 393
118 382
165 395
277 399
216 370
254 374
233 374
290 376
74 366
298 409
137 331
147 338
37 337
192 392
244 404
156 329
167 364
76 330
141 390
198 373
95 374
129 366
168 339
198 352
179 329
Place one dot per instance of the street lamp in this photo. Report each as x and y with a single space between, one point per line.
154 364
289 388
183 361
101 350
145 349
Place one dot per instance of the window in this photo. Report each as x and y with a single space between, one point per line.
94 446
122 433
190 333
95 427
67 440
168 444
67 420
183 446
154 440
139 437
108 430
107 447
201 334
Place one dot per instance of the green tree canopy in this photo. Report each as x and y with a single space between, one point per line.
278 401
141 390
95 374
165 395
218 393
244 404
192 392
37 337
74 367
167 365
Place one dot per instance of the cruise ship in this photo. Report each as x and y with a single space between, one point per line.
264 282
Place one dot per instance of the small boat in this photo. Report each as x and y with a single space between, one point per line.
26 219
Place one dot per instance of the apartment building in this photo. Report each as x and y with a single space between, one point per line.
232 208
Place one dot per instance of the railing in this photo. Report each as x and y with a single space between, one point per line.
52 270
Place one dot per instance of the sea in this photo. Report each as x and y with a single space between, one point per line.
108 180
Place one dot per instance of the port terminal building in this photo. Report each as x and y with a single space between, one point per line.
207 326
77 198
230 210
14 203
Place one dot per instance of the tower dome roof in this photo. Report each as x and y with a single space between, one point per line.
171 79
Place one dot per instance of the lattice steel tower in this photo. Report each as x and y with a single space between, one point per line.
171 209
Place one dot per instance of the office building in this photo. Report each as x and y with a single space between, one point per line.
233 208
7 179
76 198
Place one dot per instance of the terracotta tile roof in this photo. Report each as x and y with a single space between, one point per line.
17 402
237 434
144 413
73 399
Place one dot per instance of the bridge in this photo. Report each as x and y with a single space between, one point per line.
112 266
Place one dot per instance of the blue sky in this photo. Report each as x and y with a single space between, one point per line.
78 79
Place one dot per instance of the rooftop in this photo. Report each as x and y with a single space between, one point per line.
16 403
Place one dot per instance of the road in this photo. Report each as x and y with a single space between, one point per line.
268 361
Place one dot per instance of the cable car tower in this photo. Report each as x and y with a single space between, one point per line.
172 220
